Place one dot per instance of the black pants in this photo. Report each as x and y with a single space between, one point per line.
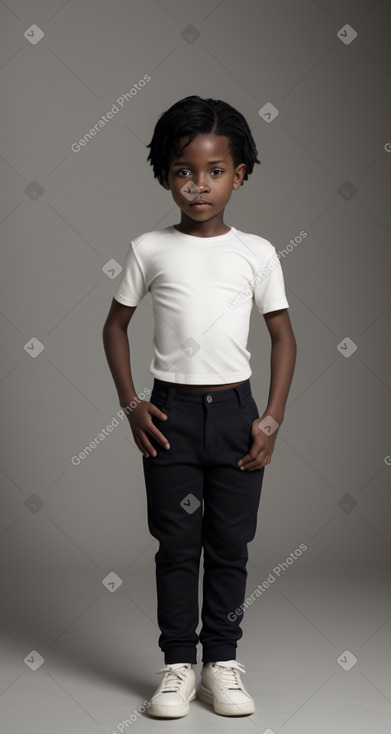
198 497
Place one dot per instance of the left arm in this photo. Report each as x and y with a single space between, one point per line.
282 365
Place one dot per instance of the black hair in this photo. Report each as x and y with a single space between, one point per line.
193 115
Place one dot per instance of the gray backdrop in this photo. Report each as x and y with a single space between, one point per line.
313 80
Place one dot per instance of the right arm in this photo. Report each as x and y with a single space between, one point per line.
116 345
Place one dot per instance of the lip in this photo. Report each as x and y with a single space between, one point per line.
200 203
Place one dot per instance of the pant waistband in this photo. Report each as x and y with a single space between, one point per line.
241 394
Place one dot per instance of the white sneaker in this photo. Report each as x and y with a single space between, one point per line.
177 688
221 686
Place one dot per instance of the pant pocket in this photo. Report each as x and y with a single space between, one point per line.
158 401
248 414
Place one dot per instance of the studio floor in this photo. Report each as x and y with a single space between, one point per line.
79 657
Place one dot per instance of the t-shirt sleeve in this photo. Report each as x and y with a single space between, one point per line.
131 288
269 291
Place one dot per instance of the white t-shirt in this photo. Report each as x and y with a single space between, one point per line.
202 290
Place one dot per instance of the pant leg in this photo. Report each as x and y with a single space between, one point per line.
231 501
174 486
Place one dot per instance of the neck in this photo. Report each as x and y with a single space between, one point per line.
212 228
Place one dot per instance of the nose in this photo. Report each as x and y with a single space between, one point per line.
198 182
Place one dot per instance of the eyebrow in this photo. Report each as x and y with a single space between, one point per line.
186 163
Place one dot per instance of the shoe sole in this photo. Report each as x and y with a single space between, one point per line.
225 709
172 712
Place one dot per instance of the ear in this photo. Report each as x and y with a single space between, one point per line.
240 170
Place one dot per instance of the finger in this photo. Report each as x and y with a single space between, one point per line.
258 450
141 447
252 454
251 462
157 412
249 467
146 445
154 431
247 461
244 459
159 437
258 463
253 465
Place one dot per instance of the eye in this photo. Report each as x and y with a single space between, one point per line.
181 171
219 170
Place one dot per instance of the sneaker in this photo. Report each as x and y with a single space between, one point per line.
177 688
221 686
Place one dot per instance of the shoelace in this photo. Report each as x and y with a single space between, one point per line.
174 674
227 672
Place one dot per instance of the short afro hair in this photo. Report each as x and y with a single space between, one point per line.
193 115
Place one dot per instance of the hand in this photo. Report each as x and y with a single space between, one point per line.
261 449
140 420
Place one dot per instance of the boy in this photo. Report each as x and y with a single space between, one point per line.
204 452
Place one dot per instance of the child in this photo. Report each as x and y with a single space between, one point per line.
204 444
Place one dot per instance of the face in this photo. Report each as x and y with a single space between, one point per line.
203 172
